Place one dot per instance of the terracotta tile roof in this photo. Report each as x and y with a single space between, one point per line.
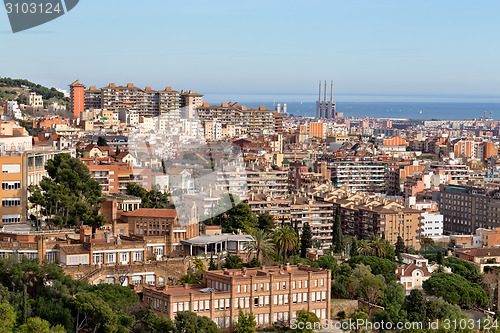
407 270
74 249
151 212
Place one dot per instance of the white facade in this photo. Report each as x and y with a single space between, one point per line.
12 110
432 224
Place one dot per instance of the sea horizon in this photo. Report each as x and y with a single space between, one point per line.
442 107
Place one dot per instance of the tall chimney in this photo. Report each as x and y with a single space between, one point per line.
331 93
319 98
325 91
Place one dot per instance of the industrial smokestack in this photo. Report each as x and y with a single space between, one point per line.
325 91
319 97
331 92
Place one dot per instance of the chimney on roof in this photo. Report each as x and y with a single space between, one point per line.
130 85
107 236
112 85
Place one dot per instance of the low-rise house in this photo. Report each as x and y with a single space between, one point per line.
412 276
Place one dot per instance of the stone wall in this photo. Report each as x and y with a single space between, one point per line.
347 305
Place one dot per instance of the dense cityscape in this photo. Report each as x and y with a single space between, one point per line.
253 166
250 218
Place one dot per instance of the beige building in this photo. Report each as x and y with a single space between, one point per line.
273 294
35 101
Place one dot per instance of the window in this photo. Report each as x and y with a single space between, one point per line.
239 289
228 303
11 218
255 301
110 258
124 257
300 284
216 304
11 185
284 285
304 298
294 298
11 168
275 300
98 258
11 202
261 287
138 256
266 300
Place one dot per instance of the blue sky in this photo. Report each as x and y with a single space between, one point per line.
278 47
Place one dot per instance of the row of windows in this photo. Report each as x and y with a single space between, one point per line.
11 219
279 285
11 202
112 257
14 185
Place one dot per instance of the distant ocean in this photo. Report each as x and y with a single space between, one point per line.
446 108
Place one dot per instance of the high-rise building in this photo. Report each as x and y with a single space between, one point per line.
77 98
466 209
326 109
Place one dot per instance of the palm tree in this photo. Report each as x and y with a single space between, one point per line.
378 246
285 240
365 249
263 244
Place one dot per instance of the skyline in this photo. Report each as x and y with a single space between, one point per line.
385 48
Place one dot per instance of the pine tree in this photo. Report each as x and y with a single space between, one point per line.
305 240
354 248
440 258
337 232
212 266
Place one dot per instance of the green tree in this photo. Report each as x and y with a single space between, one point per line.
189 322
36 324
190 278
392 301
400 248
440 258
232 262
354 248
150 199
240 217
285 240
101 142
263 245
265 221
461 267
246 322
337 232
305 239
199 264
306 322
379 266
69 196
7 318
415 306
456 289
212 266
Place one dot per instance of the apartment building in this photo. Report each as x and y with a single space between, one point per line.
245 121
13 193
364 215
319 215
263 179
358 175
273 294
76 98
147 102
115 176
466 209
189 101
